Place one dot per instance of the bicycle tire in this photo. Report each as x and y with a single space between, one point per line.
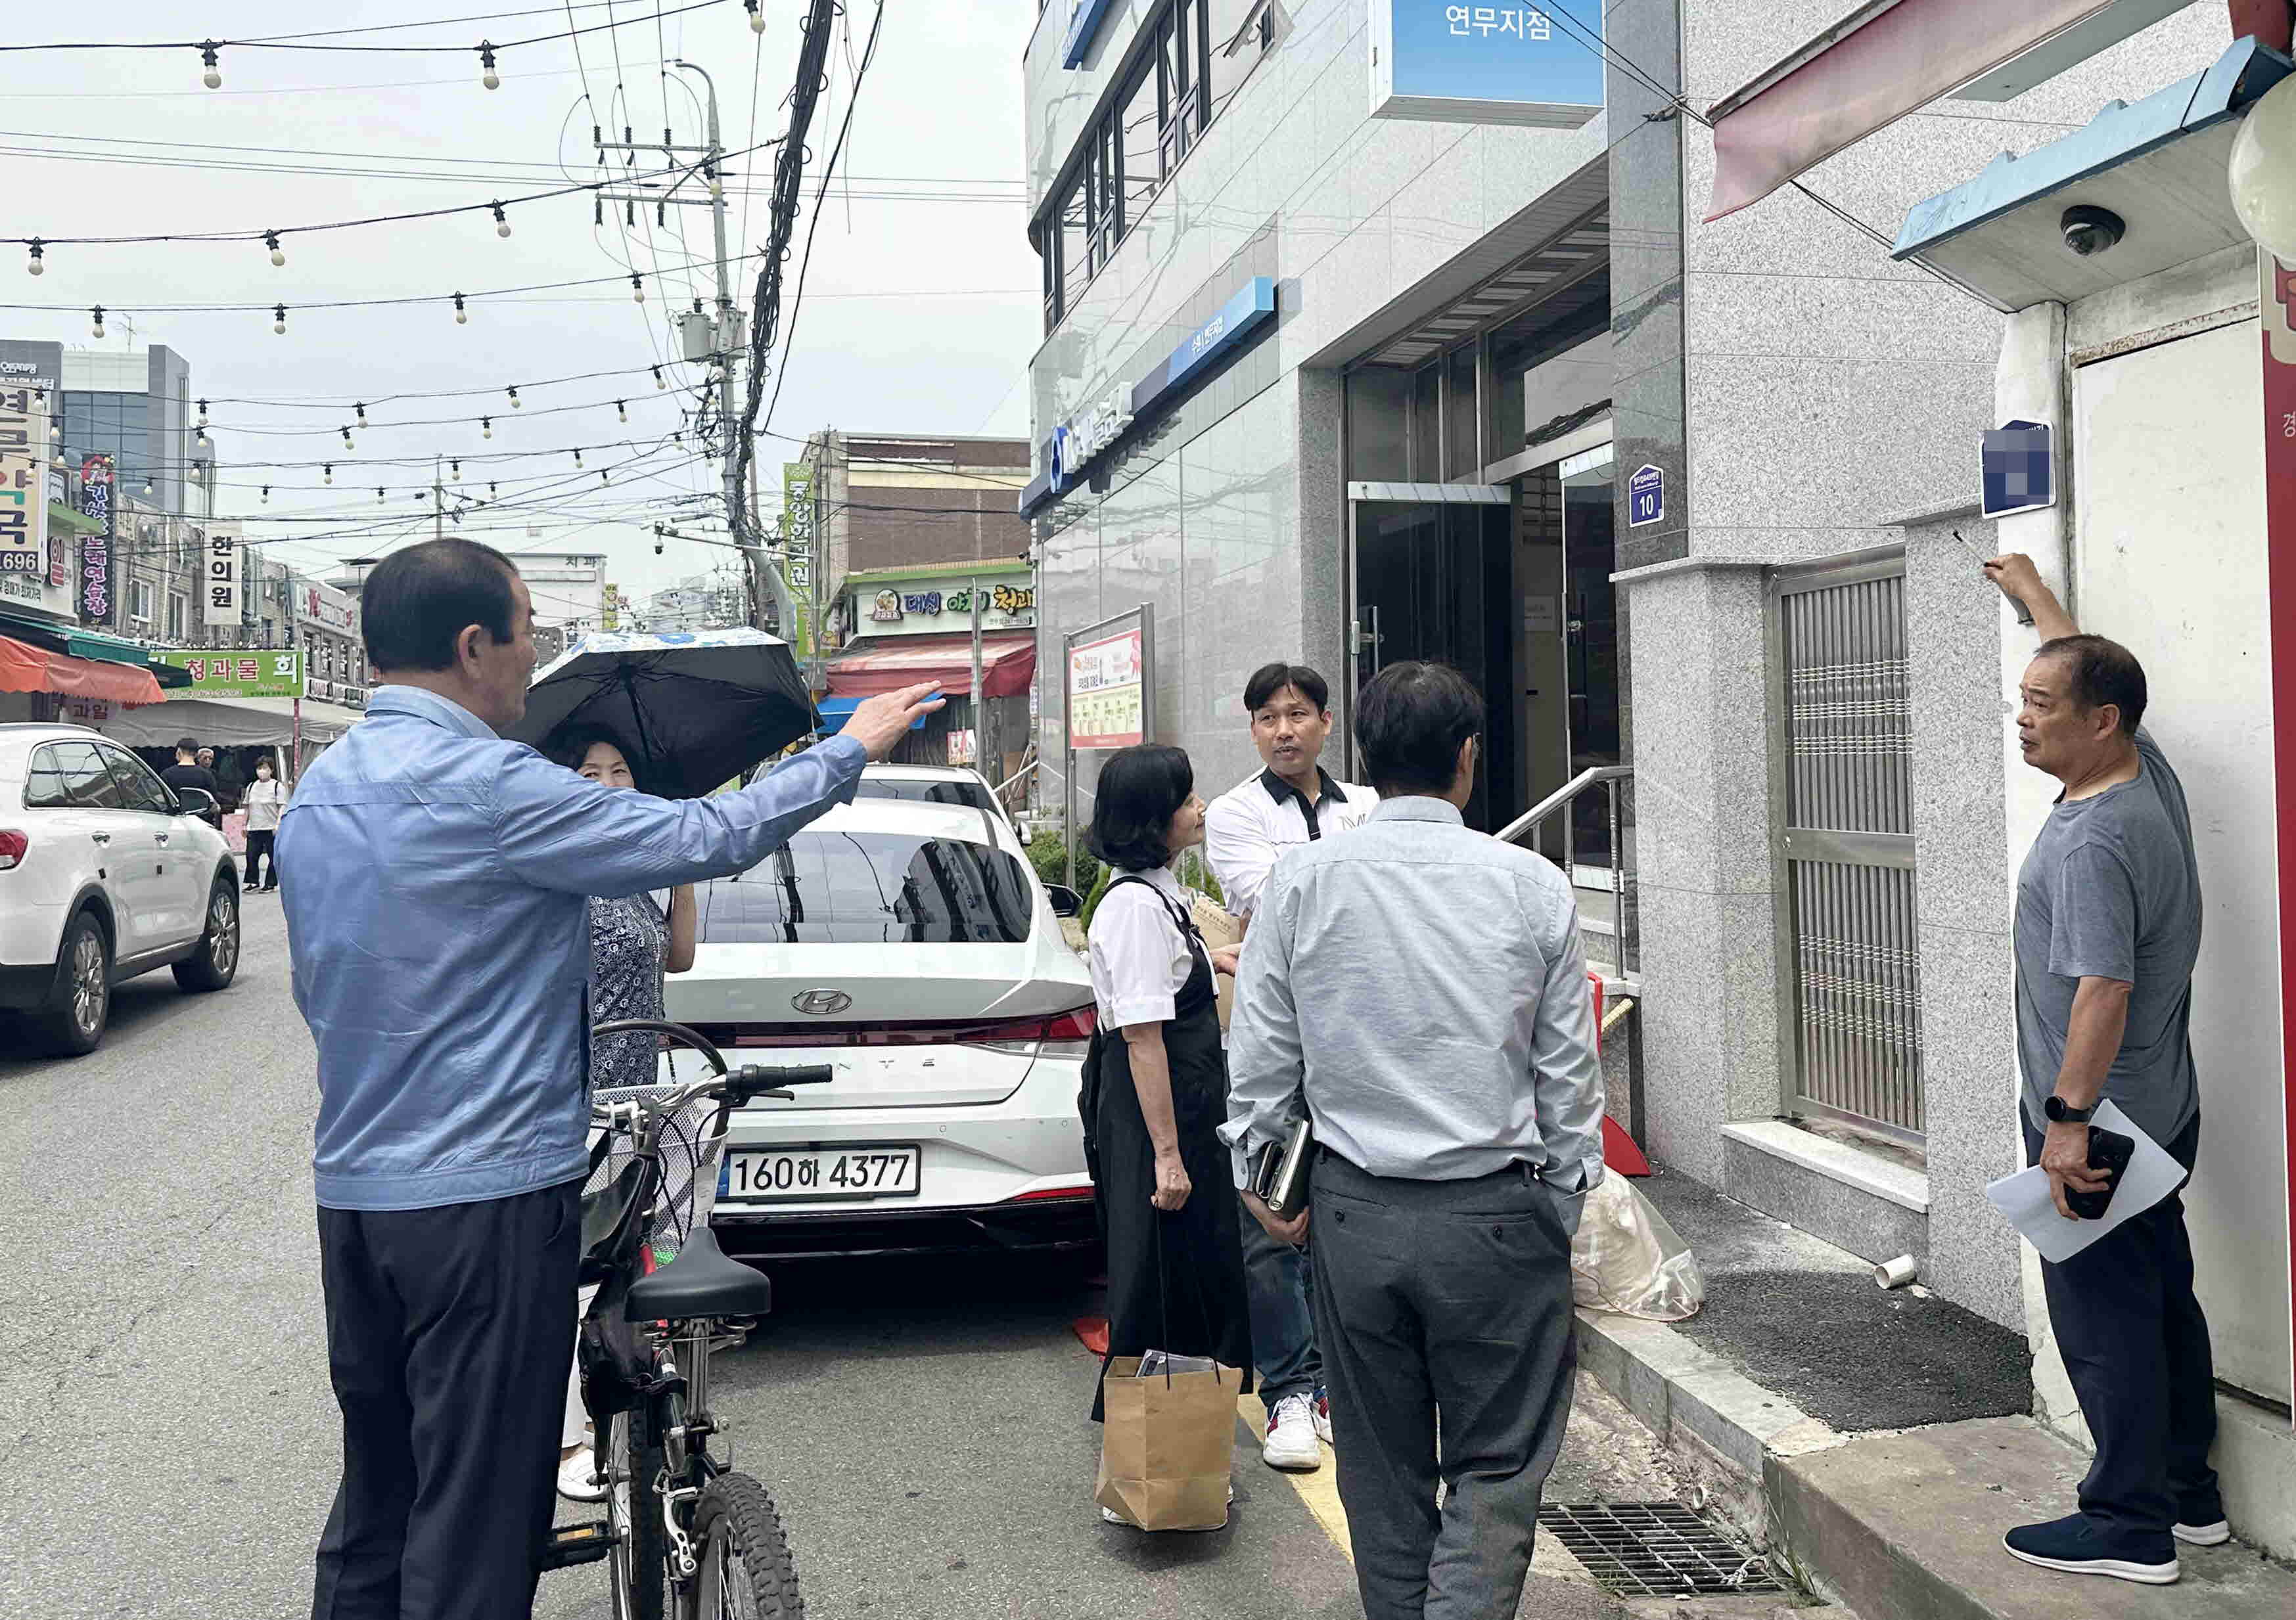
641 1566
746 1573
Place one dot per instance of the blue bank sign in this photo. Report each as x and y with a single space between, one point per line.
1084 22
1083 438
1506 63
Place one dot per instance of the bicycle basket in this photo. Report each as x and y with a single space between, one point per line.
689 1167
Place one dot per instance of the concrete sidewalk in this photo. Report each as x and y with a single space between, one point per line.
1875 1441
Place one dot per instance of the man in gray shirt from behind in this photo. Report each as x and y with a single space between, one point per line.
1419 990
2108 929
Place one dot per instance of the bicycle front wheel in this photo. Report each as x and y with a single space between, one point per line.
746 1570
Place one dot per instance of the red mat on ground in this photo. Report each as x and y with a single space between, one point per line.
1092 1332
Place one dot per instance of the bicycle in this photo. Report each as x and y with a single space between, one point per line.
684 1536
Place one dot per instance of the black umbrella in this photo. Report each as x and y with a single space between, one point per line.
693 709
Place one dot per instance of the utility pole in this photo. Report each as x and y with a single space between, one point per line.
763 570
438 504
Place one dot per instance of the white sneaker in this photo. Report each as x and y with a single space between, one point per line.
1323 1416
575 1482
2202 1536
1291 1440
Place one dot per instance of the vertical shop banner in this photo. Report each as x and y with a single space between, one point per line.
1107 697
23 482
223 579
796 552
97 565
2277 308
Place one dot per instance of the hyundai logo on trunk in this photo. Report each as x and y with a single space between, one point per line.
821 1003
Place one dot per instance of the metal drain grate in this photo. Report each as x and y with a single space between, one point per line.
1653 1548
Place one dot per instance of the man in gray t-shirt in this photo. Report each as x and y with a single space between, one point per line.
2108 929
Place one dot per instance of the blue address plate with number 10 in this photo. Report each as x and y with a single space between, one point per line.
877 1170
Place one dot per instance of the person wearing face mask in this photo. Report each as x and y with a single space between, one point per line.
1155 1089
435 878
266 800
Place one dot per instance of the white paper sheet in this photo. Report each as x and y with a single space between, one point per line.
2024 1198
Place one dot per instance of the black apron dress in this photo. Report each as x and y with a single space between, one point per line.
1174 1280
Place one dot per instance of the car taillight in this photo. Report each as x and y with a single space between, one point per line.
1077 1194
1062 1034
12 848
1054 1034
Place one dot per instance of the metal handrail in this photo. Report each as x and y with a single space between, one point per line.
1607 778
1530 819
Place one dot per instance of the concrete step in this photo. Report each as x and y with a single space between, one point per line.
1908 1526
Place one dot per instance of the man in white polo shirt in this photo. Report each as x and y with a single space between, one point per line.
1293 801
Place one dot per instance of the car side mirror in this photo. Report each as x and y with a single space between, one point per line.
196 801
1066 900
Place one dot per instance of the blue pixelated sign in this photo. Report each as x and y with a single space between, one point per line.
2018 472
1645 496
1539 64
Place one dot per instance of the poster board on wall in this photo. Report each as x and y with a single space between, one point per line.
1108 698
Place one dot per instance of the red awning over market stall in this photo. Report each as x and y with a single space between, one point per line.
1008 664
24 668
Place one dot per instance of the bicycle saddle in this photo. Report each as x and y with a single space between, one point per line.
701 1281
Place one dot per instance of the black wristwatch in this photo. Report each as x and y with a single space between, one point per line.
2061 1112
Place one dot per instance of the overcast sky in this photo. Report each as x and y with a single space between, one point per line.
918 313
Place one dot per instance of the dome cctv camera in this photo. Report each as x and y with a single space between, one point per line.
2090 231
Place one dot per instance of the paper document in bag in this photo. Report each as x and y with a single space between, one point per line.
2024 1198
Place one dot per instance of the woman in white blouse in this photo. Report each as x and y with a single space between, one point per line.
1155 1089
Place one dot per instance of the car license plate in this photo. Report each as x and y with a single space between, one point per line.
779 1173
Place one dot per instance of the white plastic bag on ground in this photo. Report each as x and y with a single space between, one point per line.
1625 1259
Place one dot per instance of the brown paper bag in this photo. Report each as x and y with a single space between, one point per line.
1219 929
1167 1444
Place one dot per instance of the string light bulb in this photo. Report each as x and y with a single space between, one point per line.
637 287
267 494
35 266
501 221
658 382
516 404
98 327
378 494
203 443
454 469
621 411
213 78
347 440
485 427
602 476
490 489
199 475
327 472
491 80
577 458
462 315
55 433
361 409
203 415
757 16
279 319
278 254
147 488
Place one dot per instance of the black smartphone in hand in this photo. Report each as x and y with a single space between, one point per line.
2110 1151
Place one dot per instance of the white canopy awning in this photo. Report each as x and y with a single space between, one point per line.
229 723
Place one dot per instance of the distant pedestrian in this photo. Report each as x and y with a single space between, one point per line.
1155 1085
188 771
2108 929
1291 801
266 802
1419 991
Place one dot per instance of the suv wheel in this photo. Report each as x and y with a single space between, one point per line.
74 1021
216 963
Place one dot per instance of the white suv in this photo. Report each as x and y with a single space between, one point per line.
105 872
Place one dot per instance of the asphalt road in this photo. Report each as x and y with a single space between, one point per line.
171 1445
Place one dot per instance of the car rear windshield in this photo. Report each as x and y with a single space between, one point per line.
865 887
969 795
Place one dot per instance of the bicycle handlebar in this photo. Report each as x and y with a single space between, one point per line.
736 1086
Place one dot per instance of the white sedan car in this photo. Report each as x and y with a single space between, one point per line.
911 947
105 872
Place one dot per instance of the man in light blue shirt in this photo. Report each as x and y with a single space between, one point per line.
438 931
1419 991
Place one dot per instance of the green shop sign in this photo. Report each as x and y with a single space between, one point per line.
223 672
